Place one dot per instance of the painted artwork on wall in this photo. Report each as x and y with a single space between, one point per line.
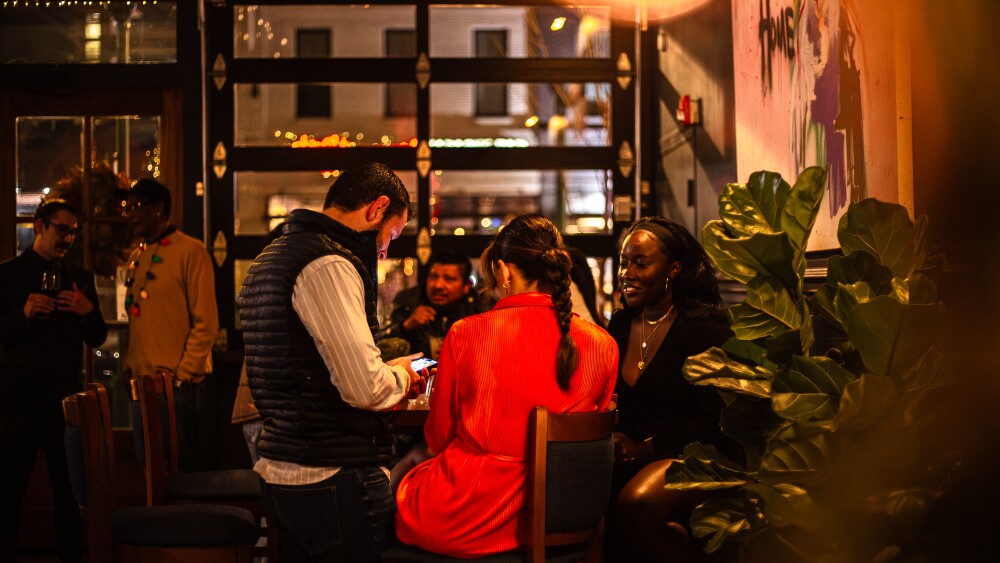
815 84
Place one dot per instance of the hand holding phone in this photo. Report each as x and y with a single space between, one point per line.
422 363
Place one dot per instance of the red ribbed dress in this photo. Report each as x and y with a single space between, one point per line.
494 368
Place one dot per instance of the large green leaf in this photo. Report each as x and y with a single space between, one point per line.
892 337
726 262
809 391
860 266
754 207
822 303
781 348
801 207
784 504
806 337
834 301
796 454
714 367
751 422
703 472
748 352
767 311
918 289
885 231
767 254
848 297
724 519
866 400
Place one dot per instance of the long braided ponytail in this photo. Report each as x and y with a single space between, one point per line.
557 274
534 244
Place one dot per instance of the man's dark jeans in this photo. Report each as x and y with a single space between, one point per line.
347 518
187 409
16 466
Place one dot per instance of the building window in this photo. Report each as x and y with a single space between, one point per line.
313 100
400 99
491 99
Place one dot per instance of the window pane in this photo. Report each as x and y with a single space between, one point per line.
48 148
400 99
545 114
312 100
52 32
357 31
265 116
491 99
24 236
532 31
480 202
264 199
129 144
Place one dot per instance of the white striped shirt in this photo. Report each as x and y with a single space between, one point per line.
329 298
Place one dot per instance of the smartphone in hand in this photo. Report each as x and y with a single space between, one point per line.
422 363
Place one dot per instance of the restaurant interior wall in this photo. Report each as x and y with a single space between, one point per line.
694 54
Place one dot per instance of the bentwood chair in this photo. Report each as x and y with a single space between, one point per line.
190 533
570 458
155 434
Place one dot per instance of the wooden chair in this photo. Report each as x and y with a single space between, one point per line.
570 458
155 435
209 533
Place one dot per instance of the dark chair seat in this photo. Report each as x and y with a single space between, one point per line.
189 532
154 428
224 485
409 554
183 525
570 459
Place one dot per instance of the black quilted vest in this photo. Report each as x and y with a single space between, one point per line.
305 420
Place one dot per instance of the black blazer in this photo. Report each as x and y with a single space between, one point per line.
663 405
41 360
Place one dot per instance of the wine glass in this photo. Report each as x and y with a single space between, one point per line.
51 285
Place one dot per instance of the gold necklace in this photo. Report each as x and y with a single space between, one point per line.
659 320
642 334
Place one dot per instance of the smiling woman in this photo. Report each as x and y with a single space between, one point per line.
671 312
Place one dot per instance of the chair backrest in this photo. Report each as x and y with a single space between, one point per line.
90 448
570 459
156 431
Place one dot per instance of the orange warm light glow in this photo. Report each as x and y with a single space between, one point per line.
337 141
643 12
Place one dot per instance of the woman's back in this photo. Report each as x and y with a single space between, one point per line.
495 367
505 362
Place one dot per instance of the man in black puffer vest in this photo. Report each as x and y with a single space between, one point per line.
308 311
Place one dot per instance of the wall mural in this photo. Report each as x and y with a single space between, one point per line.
806 94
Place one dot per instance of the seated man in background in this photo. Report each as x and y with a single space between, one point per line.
423 314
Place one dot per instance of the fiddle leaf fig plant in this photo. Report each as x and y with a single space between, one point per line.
803 411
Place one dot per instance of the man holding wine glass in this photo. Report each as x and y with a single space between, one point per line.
48 310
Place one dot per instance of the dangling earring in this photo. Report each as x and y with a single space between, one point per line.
666 286
506 288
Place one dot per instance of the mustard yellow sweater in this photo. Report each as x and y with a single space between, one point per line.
178 318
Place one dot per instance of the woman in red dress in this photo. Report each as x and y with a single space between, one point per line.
529 350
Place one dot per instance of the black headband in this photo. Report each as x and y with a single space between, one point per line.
657 230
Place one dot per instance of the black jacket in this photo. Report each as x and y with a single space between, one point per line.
305 419
662 405
40 359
